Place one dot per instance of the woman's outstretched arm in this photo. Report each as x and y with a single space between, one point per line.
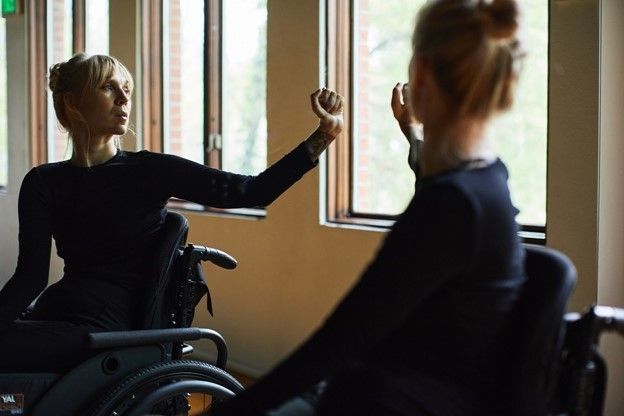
180 178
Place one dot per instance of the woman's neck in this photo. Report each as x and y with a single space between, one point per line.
448 145
93 152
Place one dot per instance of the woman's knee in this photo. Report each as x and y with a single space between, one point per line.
364 390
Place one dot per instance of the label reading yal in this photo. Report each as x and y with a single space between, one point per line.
11 404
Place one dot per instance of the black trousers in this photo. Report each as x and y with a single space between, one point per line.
356 391
44 346
369 390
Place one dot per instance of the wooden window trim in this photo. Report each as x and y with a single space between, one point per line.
338 78
340 178
151 80
37 26
78 22
213 58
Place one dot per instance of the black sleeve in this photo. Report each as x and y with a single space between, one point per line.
35 234
432 242
190 181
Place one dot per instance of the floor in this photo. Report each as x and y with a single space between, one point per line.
199 402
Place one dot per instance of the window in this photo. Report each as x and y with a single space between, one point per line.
4 153
214 82
243 88
212 74
71 26
369 46
183 78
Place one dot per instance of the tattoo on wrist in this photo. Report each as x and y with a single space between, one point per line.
317 143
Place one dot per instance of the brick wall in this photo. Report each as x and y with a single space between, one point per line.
174 93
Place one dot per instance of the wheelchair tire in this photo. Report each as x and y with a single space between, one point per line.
125 395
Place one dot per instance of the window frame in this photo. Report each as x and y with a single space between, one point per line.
339 36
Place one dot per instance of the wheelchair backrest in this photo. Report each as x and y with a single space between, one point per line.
538 330
162 271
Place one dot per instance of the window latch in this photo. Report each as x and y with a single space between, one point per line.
214 142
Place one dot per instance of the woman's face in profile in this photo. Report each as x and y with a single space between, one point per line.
107 108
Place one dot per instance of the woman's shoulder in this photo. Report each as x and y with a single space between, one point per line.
138 155
466 187
49 167
468 179
143 159
46 171
152 157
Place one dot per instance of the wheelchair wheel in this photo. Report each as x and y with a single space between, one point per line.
209 380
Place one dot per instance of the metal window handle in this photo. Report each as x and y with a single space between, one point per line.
214 142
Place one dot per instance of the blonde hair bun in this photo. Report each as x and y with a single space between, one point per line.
501 18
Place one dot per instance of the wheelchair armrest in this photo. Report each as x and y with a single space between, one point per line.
612 318
157 336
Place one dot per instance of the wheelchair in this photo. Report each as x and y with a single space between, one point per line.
142 371
558 370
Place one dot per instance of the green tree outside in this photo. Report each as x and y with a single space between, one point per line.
518 136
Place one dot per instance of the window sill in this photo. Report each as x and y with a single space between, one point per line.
533 237
528 234
239 213
362 224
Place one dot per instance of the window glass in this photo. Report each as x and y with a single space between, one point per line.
520 135
4 153
96 27
59 48
183 78
382 181
244 123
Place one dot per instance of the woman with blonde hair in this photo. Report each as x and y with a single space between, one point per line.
104 208
424 330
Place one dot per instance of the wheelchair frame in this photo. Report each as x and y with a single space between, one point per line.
583 378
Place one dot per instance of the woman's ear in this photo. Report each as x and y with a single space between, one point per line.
73 116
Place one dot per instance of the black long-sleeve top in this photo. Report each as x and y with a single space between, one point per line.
433 305
104 220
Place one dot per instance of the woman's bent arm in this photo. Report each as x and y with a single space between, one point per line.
35 232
